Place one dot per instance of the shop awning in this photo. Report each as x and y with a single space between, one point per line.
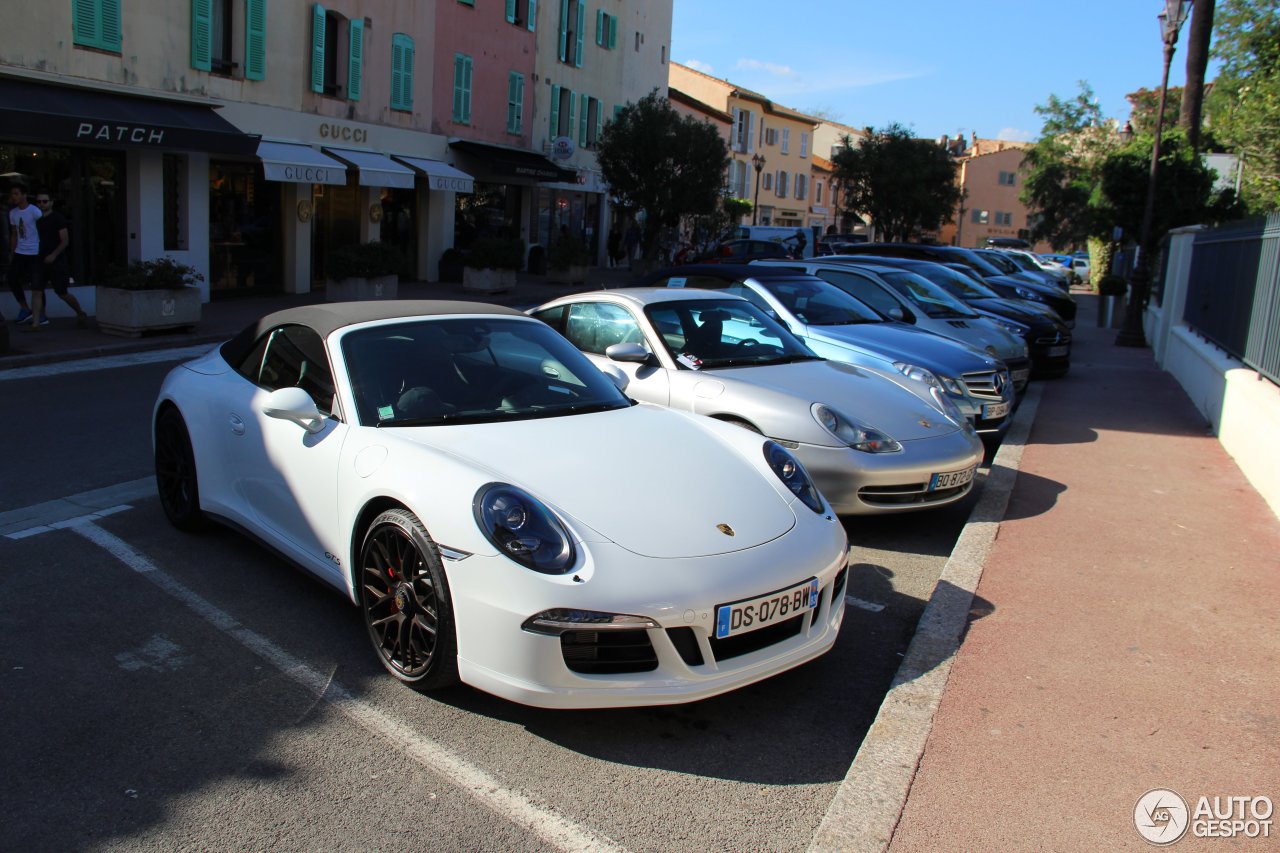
299 164
440 176
501 162
64 115
376 170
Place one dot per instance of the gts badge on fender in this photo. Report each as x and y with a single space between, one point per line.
332 558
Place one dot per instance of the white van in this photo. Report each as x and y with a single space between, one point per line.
786 235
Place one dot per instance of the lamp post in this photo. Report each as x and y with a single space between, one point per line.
1131 334
757 163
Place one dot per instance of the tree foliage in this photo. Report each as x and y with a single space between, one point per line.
667 165
902 183
1244 104
1144 103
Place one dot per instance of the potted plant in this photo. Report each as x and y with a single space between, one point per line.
161 293
567 260
1111 290
363 271
492 263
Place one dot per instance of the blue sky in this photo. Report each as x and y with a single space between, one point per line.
935 67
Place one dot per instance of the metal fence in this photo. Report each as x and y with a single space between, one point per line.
1233 295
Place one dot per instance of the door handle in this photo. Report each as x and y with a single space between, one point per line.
237 425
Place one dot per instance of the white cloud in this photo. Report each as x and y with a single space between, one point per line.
1012 134
699 65
770 67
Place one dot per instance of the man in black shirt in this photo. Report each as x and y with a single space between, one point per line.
51 267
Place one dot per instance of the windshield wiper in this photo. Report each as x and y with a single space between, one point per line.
855 322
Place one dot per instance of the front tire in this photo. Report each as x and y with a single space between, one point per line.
176 479
406 603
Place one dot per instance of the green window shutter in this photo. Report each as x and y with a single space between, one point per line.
617 111
410 53
555 112
317 48
459 87
571 124
613 32
110 26
599 120
511 11
201 35
401 72
564 30
600 27
519 103
466 91
86 23
582 23
255 39
582 121
533 14
515 102
355 59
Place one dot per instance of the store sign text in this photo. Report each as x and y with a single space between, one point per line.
120 133
306 174
346 134
457 185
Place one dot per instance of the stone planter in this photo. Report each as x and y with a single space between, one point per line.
129 313
361 289
573 275
487 280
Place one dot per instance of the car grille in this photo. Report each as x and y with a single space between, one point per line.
1053 340
754 641
686 643
608 652
987 385
908 495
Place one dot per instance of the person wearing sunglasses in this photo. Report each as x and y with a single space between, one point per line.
51 267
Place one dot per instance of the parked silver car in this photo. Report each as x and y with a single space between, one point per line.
870 442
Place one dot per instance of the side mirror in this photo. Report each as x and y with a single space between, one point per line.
898 314
294 404
616 374
629 352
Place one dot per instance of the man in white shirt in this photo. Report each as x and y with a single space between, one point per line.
24 246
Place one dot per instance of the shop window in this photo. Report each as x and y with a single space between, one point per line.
462 88
245 252
606 30
522 13
402 57
96 23
175 202
515 103
337 54
573 19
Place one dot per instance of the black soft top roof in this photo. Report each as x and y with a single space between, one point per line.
328 317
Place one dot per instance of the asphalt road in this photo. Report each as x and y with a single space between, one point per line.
160 690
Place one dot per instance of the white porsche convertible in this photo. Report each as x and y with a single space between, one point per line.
499 510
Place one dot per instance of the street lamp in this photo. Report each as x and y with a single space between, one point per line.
757 163
1131 334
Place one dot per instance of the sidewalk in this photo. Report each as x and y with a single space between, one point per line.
223 318
1132 631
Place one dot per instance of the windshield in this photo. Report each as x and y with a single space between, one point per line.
932 299
706 334
815 302
974 260
1001 262
448 370
955 282
1021 260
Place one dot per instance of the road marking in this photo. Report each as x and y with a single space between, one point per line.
864 605
70 522
551 827
42 517
106 362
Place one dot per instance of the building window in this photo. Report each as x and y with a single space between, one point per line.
742 127
980 217
767 181
402 57
334 71
1003 218
782 184
786 140
664 54
771 136
817 192
573 19
590 122
462 88
563 111
804 144
522 13
606 30
211 27
515 103
1008 179
802 186
96 23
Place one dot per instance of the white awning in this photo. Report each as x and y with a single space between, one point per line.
376 170
440 176
299 164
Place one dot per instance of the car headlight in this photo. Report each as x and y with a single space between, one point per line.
523 529
1015 329
792 475
952 386
948 407
856 435
1023 293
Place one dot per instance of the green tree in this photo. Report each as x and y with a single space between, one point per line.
662 163
1244 104
1144 103
902 183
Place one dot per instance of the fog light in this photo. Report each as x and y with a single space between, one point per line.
558 620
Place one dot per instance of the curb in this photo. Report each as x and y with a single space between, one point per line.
865 811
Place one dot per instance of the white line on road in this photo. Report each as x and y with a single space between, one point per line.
551 827
106 362
863 605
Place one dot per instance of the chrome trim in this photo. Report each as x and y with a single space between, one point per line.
452 553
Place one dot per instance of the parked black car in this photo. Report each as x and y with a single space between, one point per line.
1020 286
1048 338
741 251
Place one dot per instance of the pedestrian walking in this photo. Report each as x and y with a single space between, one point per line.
24 245
52 268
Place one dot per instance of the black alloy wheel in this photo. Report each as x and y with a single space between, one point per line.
406 604
176 479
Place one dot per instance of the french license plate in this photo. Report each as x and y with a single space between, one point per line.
1058 351
994 410
752 614
951 479
1020 375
